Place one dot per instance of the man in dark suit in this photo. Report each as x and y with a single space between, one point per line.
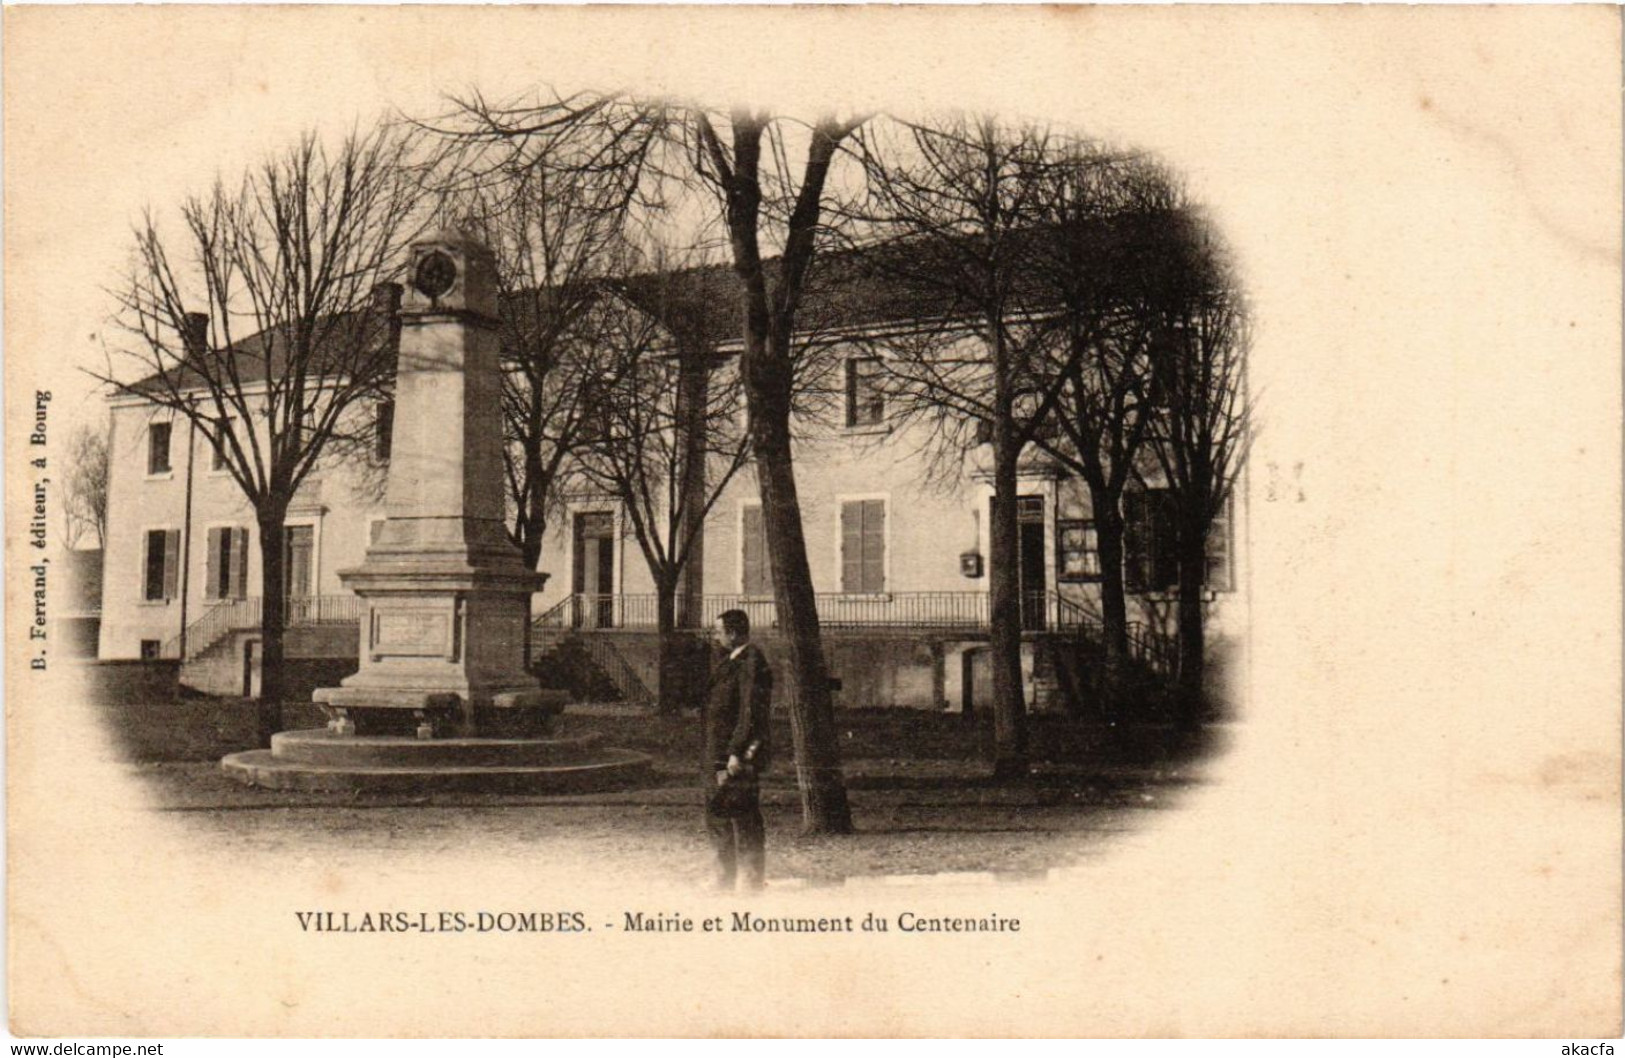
736 751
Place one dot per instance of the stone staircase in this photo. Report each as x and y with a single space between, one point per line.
214 664
593 666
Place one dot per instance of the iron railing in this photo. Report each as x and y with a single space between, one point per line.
924 611
934 611
243 615
963 612
1156 651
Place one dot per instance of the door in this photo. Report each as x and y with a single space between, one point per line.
592 574
299 550
250 669
1030 558
1032 578
975 680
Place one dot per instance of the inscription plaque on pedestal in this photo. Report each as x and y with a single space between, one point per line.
411 633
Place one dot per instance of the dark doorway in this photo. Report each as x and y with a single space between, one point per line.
975 681
592 576
1031 559
248 667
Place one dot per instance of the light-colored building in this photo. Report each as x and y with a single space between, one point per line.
898 551
182 549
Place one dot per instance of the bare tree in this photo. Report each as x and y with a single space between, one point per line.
1101 257
84 488
557 236
1202 427
950 208
668 441
294 328
648 148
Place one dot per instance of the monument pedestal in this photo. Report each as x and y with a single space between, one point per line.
443 652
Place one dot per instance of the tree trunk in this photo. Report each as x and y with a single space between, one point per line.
532 524
672 687
272 620
768 369
1004 591
1113 599
693 400
824 807
1192 655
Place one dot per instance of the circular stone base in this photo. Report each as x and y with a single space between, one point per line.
324 761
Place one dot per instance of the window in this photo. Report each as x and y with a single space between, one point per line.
1151 542
158 447
1221 573
226 564
151 649
593 411
298 559
756 576
863 546
161 568
219 446
1079 551
383 433
865 404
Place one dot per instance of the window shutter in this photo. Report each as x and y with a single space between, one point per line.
753 552
239 563
874 545
852 547
211 566
172 561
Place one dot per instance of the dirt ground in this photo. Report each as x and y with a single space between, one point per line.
921 802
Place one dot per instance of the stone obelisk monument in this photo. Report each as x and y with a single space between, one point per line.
445 634
443 699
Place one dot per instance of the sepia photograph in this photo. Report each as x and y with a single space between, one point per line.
997 522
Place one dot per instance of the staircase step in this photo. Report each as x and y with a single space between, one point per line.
324 748
611 768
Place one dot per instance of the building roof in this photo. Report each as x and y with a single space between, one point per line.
914 278
263 355
848 288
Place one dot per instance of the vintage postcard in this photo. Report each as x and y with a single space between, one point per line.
813 522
